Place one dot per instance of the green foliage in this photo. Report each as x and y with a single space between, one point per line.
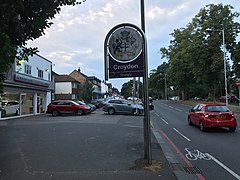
127 89
22 21
195 54
157 81
86 91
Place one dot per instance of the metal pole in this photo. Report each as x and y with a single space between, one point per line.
147 129
166 87
225 68
134 88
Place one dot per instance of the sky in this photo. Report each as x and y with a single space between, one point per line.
76 39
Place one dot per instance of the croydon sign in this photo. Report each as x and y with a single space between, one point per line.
124 52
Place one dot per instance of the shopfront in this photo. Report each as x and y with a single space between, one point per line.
27 88
20 100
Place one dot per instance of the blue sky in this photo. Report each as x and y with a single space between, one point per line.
76 39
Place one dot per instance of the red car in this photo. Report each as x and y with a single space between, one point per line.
67 106
208 115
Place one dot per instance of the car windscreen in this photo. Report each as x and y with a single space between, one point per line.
217 109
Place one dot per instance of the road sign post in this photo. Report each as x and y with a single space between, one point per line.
125 56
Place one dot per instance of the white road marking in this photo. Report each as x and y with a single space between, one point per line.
157 114
181 134
178 109
170 107
164 121
223 166
151 124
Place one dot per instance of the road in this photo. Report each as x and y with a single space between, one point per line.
212 155
95 146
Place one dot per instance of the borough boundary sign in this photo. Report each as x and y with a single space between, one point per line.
124 49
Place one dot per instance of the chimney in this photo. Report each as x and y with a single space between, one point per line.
79 70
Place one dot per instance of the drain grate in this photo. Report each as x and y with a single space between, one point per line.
192 170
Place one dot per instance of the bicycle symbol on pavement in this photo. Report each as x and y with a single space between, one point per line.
195 154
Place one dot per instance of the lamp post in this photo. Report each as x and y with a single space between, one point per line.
224 62
166 97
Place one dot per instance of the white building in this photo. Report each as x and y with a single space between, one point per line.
28 84
104 89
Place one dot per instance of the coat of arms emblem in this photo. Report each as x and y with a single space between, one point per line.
125 44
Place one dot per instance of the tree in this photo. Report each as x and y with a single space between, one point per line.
127 89
157 81
195 55
86 91
22 21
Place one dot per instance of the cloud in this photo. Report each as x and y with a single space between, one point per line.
76 38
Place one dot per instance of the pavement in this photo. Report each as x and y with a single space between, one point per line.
91 147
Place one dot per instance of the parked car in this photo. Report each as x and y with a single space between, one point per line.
231 99
207 115
9 108
67 107
174 98
91 106
98 102
113 106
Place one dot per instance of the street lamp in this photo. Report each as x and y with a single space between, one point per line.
166 97
224 61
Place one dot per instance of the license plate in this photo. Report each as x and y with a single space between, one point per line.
221 116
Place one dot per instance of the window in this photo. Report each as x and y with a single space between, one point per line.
217 109
40 74
73 96
74 85
27 69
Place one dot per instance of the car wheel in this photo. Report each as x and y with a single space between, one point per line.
111 111
189 121
55 113
79 112
3 114
135 112
201 126
232 129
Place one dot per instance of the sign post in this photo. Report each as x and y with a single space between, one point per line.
125 56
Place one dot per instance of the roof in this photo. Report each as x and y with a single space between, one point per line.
64 78
76 71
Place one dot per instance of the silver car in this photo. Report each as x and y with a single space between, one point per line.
9 108
122 106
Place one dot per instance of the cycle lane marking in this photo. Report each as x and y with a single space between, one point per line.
185 137
189 164
224 166
195 154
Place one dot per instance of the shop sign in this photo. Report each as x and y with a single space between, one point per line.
30 80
